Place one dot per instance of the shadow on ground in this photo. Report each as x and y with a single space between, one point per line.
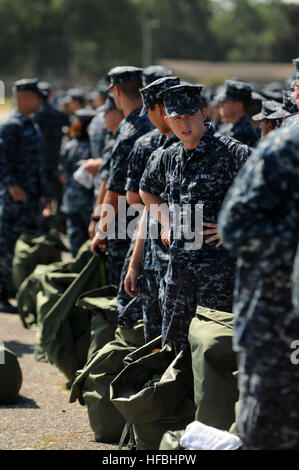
19 348
21 402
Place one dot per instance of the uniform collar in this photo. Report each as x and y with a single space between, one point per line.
206 138
241 122
172 140
21 116
134 115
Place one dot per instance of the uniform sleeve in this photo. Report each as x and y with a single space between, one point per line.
43 181
250 217
118 168
63 159
9 146
238 153
153 179
135 169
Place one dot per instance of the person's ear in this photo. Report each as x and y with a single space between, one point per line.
204 113
161 109
117 90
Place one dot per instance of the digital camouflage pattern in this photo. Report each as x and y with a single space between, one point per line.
128 311
76 197
77 202
154 72
155 263
268 417
203 275
103 172
150 92
151 291
296 65
181 99
123 74
51 122
129 130
268 107
234 89
21 163
139 156
286 109
292 120
259 223
296 283
243 131
156 255
97 134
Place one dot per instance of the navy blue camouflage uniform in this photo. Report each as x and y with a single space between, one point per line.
51 122
202 276
138 158
242 130
97 135
259 223
103 172
140 155
22 164
155 263
129 130
77 201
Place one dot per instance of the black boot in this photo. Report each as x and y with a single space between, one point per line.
5 306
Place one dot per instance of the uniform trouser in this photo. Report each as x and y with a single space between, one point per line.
269 412
16 218
129 309
122 297
151 305
77 230
117 250
211 288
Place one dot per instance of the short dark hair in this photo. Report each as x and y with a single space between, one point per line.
78 130
153 104
245 101
131 89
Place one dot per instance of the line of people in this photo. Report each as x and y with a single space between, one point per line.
178 158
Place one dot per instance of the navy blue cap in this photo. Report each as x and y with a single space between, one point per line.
295 78
154 72
235 89
102 86
123 74
29 84
85 114
75 94
182 99
150 92
108 105
296 64
295 81
45 87
287 108
268 107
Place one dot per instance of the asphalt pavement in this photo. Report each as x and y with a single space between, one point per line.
42 418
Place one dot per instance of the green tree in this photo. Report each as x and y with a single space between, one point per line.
184 27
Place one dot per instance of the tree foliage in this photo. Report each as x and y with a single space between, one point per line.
81 39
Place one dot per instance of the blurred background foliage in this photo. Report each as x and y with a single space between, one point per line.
71 40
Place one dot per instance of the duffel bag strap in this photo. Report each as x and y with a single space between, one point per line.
127 432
